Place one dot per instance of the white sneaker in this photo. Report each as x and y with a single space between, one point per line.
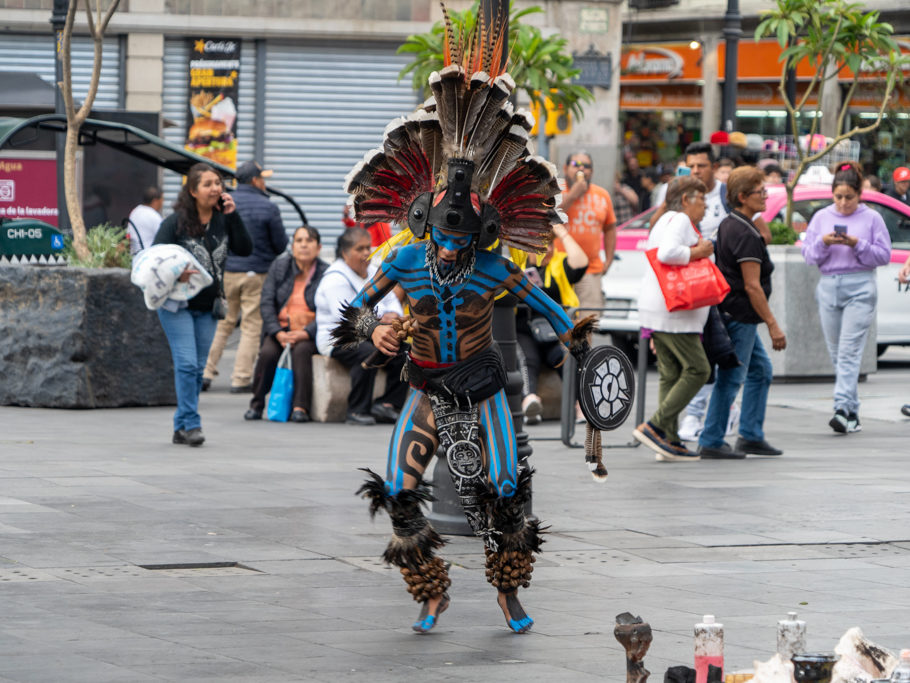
733 422
532 408
690 428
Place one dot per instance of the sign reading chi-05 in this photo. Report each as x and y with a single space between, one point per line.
558 119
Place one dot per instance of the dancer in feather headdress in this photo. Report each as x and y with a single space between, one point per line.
458 176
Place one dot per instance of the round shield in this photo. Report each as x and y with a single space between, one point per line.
606 387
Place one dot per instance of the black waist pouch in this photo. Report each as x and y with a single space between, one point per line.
474 379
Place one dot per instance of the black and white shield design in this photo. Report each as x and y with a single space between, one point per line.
606 387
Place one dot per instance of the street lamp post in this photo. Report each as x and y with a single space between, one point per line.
732 32
58 20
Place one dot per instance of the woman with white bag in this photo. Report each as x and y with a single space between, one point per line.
205 223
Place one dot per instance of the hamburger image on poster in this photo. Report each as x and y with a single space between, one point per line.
211 134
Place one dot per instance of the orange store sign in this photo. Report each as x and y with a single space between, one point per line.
679 63
661 62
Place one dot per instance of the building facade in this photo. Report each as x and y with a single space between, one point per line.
318 79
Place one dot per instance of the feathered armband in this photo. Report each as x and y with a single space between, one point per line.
356 326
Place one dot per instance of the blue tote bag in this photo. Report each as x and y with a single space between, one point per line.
282 395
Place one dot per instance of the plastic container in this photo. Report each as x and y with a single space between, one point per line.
709 647
901 673
791 636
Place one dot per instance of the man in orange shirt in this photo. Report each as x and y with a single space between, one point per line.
592 224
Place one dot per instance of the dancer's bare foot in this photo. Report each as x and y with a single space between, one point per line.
515 615
430 612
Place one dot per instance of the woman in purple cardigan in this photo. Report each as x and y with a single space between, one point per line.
847 241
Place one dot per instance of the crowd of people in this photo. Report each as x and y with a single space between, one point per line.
289 297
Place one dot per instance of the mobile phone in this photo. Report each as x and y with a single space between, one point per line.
683 170
840 230
220 204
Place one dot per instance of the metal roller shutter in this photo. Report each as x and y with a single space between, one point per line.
325 107
174 104
35 54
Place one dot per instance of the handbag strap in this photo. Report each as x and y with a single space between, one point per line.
136 231
285 359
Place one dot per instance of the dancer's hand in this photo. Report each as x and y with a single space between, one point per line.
385 338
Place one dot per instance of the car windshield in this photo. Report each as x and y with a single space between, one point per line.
641 222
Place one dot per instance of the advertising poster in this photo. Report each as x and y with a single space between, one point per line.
28 189
212 120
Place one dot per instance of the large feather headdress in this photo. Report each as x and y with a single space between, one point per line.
462 161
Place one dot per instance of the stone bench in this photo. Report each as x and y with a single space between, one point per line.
332 384
331 387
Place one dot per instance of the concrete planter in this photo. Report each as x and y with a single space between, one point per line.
793 304
80 338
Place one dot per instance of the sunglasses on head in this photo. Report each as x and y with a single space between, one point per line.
580 164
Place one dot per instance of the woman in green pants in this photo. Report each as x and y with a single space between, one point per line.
681 360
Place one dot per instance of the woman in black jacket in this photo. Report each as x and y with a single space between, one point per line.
206 224
288 309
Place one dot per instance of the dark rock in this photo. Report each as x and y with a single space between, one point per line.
80 338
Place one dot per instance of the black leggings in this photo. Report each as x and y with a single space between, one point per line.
535 355
301 360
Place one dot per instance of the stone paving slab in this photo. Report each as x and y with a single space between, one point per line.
89 497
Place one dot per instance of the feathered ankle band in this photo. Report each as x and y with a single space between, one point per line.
414 539
510 558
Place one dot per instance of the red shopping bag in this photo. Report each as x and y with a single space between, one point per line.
696 284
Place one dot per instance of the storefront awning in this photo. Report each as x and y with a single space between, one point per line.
127 139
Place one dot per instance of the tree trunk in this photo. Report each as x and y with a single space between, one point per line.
73 205
97 25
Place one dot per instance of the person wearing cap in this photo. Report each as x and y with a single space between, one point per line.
245 275
901 188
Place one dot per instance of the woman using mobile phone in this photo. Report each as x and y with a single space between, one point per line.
207 232
847 241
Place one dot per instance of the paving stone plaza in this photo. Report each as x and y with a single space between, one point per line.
100 515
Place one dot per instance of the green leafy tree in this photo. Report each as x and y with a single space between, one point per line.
540 64
830 33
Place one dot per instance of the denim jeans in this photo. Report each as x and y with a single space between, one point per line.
756 373
846 306
189 334
699 403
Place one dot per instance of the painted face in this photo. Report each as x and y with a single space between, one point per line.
449 245
846 199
